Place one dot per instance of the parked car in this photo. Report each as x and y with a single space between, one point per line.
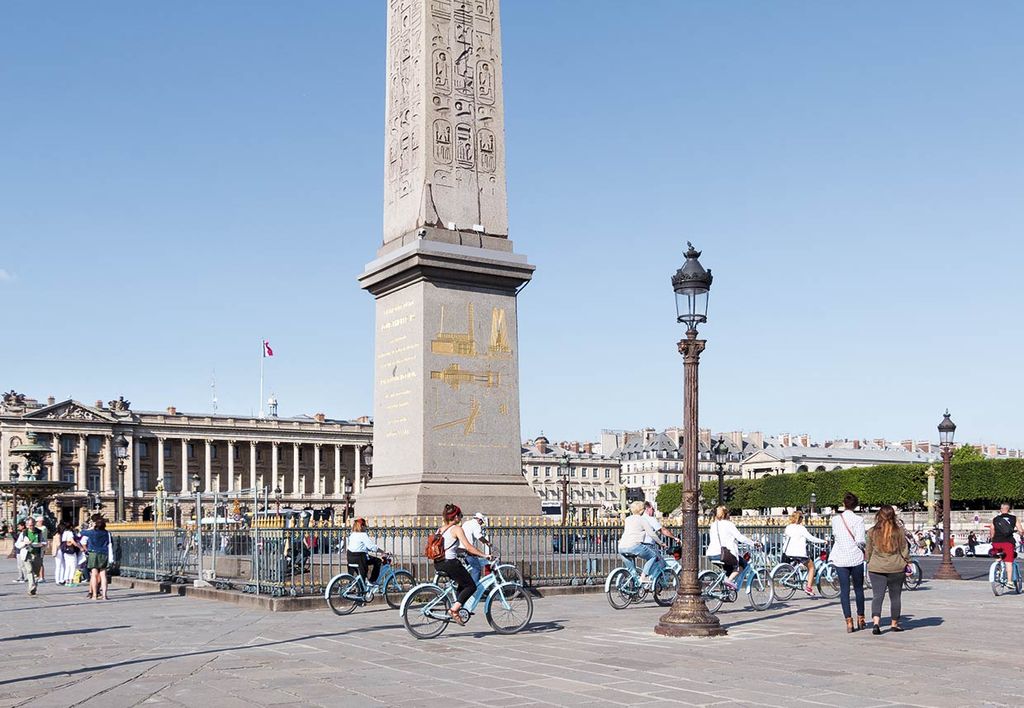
962 549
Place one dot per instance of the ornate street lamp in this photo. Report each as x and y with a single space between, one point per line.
814 500
121 453
277 498
689 616
720 451
947 427
346 510
564 468
14 476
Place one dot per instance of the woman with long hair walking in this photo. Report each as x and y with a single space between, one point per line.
848 557
888 555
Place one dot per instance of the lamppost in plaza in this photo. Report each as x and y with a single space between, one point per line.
947 427
195 490
814 500
930 494
689 616
14 477
277 498
721 453
563 478
121 453
346 510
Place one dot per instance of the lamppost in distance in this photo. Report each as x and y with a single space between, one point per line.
947 428
563 479
720 451
277 498
346 510
689 616
814 500
121 453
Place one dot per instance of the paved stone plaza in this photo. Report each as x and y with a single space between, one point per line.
961 648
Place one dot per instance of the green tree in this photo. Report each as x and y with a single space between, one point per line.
670 497
967 453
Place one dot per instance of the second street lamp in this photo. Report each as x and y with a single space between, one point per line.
814 500
720 451
689 616
947 427
121 453
563 479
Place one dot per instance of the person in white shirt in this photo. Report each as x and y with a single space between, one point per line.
723 545
653 541
794 547
358 548
474 530
636 528
848 557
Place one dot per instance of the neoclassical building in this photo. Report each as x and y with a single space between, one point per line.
311 459
594 486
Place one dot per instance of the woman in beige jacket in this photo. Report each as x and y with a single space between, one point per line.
887 554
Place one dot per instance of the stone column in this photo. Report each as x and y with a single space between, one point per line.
252 465
316 470
83 462
231 465
185 488
297 490
160 463
135 483
274 481
55 444
208 467
108 466
337 472
357 481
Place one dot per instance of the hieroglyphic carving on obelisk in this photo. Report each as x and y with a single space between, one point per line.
444 146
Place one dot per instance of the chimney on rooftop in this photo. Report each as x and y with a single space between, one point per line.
588 448
575 447
99 404
50 400
171 410
320 417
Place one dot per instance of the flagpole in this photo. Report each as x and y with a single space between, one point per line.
263 356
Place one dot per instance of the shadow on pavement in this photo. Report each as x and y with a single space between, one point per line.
911 622
46 635
86 602
761 617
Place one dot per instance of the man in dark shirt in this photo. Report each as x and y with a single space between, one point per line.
1001 530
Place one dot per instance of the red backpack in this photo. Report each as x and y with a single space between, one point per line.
435 544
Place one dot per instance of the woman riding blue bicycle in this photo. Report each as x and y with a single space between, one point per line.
450 565
358 548
636 529
723 545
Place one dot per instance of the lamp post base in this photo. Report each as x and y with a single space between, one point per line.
946 571
689 617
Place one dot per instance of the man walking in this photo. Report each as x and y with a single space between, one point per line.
30 553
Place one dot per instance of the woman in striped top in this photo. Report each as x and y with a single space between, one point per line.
848 557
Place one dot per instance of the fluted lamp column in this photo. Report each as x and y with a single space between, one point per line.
947 427
689 616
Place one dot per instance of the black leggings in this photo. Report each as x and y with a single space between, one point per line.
454 569
879 583
365 562
856 574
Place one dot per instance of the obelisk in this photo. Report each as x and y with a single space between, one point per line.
446 388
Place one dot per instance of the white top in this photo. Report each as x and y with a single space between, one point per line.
724 534
652 539
67 537
636 529
451 544
474 532
846 553
360 542
797 537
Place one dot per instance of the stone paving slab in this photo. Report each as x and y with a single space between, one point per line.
60 649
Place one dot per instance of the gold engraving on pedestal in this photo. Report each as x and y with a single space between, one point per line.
499 346
454 376
503 409
456 343
469 422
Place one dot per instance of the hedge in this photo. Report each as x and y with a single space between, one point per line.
977 483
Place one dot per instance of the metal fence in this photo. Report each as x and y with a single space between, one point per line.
298 559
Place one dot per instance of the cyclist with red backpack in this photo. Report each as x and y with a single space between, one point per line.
442 548
1001 529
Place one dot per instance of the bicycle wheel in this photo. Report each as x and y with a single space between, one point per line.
510 574
509 608
396 587
785 578
666 588
710 591
425 611
999 586
828 582
618 591
912 580
1018 582
760 589
343 594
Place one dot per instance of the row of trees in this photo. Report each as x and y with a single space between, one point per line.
976 483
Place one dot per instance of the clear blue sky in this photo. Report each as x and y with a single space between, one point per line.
178 180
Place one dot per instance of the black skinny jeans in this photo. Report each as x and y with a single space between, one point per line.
856 574
369 566
880 582
454 569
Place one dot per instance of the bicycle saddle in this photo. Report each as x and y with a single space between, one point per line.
629 556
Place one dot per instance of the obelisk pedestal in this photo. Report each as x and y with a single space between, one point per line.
446 390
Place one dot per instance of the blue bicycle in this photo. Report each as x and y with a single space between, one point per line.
347 591
997 576
507 606
623 586
755 581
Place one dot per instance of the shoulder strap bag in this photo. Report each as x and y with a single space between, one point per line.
857 543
